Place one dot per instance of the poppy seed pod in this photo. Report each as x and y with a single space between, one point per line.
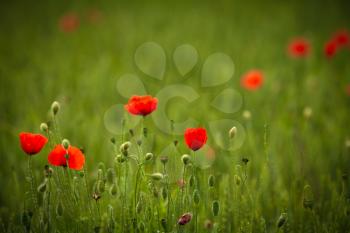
65 144
185 159
211 181
281 220
196 196
184 219
215 208
44 127
232 133
148 156
55 107
157 176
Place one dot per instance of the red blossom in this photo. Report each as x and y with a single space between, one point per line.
184 219
347 89
252 80
342 38
32 143
195 138
75 158
141 105
69 22
298 48
330 48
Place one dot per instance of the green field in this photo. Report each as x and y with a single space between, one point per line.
297 139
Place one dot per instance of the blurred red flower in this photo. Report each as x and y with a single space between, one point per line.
94 16
32 143
75 157
184 219
252 80
195 138
299 47
69 22
141 105
342 38
330 48
347 89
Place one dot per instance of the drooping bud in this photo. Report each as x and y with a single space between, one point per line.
176 142
148 156
59 209
196 196
185 159
44 127
184 219
232 133
164 159
215 208
81 174
119 158
124 148
192 181
245 161
110 175
211 181
113 140
208 224
113 190
308 197
157 176
281 220
164 224
55 107
65 144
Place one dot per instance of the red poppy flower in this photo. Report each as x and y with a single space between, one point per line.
252 80
184 219
69 22
141 105
299 47
75 157
195 138
330 48
342 38
347 89
32 143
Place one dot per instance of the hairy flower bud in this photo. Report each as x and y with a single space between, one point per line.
113 141
157 176
59 209
237 180
211 181
65 144
113 190
42 186
196 196
185 159
100 186
55 107
164 159
110 175
148 156
308 197
164 193
43 127
119 158
215 208
281 220
184 219
232 133
124 148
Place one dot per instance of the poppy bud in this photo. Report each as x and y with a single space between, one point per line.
124 148
131 131
184 219
185 159
191 181
119 158
48 171
196 196
237 180
164 159
65 144
247 114
42 187
245 161
215 208
81 174
164 193
110 175
148 156
139 142
55 107
308 197
113 140
176 142
113 190
44 127
100 174
211 181
100 186
157 176
232 133
145 132
281 220
59 209
164 224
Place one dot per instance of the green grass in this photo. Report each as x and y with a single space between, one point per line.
286 151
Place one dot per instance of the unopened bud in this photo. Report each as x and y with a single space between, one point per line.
119 158
211 181
164 224
192 181
308 197
65 144
113 190
232 133
59 209
145 132
184 219
176 142
237 180
157 176
44 127
124 148
110 175
131 131
185 159
164 159
215 208
55 107
164 193
148 156
100 186
196 196
281 220
42 186
113 140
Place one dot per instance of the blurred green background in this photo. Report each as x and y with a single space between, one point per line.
39 63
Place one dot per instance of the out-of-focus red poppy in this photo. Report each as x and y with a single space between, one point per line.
32 143
94 15
73 157
184 219
330 48
299 47
252 80
69 22
195 138
342 38
347 89
141 105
